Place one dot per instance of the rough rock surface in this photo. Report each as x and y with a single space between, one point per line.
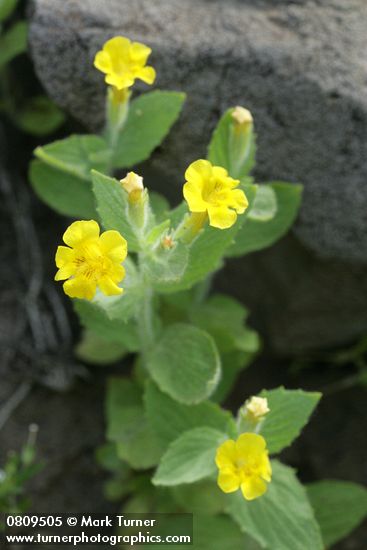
299 66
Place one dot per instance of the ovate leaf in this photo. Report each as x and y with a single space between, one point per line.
190 457
185 363
160 206
6 8
232 364
169 418
76 155
39 116
223 317
63 177
203 497
13 42
219 533
150 118
98 351
265 205
127 424
290 411
67 194
167 266
112 207
282 519
95 319
259 230
339 506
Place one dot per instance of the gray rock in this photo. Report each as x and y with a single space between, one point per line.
299 303
299 66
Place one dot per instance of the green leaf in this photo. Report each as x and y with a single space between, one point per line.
169 419
106 457
282 519
6 8
339 506
157 233
290 411
125 306
159 205
203 497
39 116
219 533
232 364
223 317
127 425
94 318
98 351
112 207
13 42
66 194
265 205
190 457
150 118
166 266
63 177
76 155
235 152
256 233
185 363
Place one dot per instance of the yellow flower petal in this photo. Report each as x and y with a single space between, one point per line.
253 488
113 245
198 172
117 47
221 173
226 454
65 272
228 481
102 62
250 444
265 469
221 217
117 273
80 287
209 189
108 287
244 463
193 197
64 255
140 52
238 201
79 231
123 61
147 74
93 260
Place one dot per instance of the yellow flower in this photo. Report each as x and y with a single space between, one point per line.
244 464
123 62
92 260
209 189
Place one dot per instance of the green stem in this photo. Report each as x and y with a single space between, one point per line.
146 324
117 110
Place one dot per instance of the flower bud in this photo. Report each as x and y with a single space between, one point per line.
255 409
242 117
133 185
